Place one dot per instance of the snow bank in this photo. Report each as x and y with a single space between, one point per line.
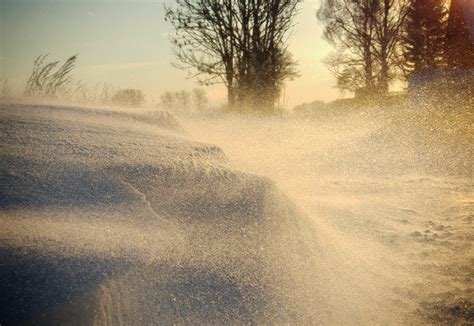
390 191
114 218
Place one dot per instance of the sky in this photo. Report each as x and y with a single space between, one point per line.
125 43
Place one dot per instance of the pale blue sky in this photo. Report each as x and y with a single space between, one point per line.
125 43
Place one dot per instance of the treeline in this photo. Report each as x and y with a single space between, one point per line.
378 41
54 80
240 43
243 44
184 101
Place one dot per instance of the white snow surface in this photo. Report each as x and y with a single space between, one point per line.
115 217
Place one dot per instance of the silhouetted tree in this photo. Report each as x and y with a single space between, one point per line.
203 40
366 34
350 27
424 34
241 43
459 44
389 20
263 61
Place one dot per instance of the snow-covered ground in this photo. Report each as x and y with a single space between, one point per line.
113 217
391 195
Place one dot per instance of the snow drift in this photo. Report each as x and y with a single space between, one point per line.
115 218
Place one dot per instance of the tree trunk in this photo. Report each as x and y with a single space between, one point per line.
385 38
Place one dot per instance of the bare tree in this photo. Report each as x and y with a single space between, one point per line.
389 22
351 27
266 62
348 70
367 35
203 40
240 43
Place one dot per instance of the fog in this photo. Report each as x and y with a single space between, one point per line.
125 216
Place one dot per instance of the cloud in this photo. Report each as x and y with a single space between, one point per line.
91 13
